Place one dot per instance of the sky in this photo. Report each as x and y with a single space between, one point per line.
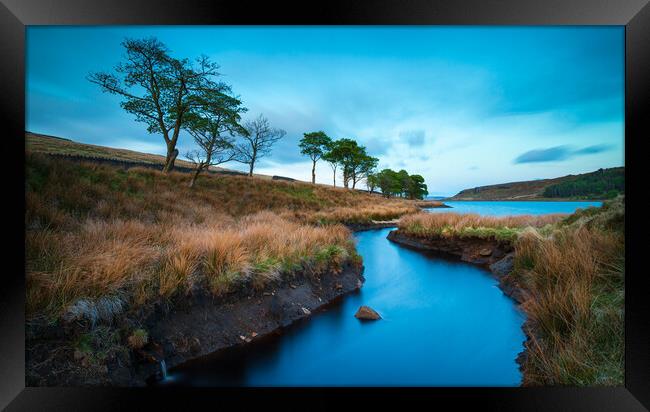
461 106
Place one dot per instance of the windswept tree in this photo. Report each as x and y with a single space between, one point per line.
354 161
404 181
416 188
158 89
314 145
366 168
372 182
401 184
213 123
388 182
334 156
259 138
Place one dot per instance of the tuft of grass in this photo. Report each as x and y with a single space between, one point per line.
506 228
137 339
573 277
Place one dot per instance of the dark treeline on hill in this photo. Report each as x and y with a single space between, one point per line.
603 183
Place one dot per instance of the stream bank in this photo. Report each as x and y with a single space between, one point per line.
191 328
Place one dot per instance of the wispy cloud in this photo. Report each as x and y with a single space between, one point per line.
599 148
413 137
559 153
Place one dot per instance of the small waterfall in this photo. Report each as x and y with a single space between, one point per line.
163 369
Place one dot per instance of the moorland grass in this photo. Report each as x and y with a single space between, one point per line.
573 278
506 228
101 240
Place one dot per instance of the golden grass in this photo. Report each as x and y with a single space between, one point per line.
102 239
574 283
144 263
107 193
472 225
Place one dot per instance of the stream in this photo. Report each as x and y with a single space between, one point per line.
444 323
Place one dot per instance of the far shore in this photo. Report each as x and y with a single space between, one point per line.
542 199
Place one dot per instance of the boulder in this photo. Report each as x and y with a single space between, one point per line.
367 313
485 252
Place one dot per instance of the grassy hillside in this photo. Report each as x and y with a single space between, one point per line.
601 184
40 143
98 233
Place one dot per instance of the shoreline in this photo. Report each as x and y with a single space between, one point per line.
204 325
527 200
195 327
499 263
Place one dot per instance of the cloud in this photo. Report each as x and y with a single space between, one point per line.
544 155
559 153
413 137
599 148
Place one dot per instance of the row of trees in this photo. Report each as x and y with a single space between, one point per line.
356 165
392 183
170 95
344 155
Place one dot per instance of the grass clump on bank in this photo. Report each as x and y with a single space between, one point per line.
436 225
102 241
574 283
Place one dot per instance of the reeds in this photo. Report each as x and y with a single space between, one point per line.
573 278
472 225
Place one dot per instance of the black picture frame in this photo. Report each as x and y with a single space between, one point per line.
633 14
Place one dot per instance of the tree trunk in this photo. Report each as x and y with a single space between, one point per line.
195 176
170 159
250 170
313 173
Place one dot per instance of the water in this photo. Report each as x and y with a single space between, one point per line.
163 369
504 208
445 323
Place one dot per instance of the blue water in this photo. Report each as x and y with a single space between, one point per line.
504 208
445 323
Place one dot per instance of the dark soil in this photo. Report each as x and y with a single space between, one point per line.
191 328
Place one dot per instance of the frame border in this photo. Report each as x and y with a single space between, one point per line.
633 14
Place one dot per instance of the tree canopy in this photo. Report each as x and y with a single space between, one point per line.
157 88
392 183
213 123
258 140
314 145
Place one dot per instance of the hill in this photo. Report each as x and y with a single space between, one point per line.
601 184
62 147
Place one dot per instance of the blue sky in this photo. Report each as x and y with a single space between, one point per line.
462 106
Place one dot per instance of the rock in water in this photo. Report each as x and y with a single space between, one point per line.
367 313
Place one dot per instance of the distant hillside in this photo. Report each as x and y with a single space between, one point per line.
601 184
